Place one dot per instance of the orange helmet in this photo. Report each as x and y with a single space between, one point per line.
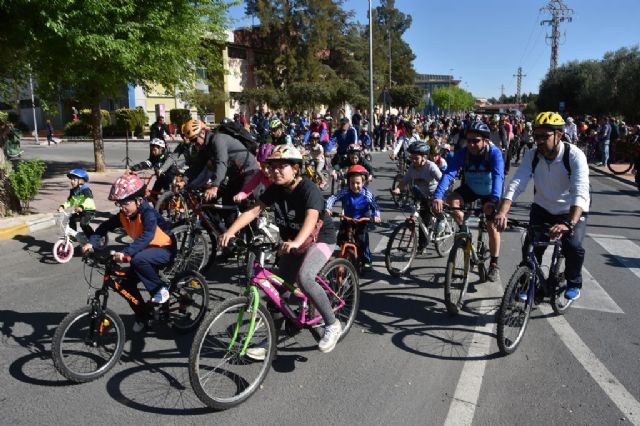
192 128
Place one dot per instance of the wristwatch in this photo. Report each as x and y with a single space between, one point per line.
569 225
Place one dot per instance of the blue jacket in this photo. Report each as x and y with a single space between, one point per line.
345 139
355 205
484 174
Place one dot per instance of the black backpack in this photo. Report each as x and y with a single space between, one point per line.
237 131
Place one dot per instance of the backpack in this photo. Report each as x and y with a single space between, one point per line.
237 131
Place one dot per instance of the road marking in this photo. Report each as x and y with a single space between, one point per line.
594 297
465 397
618 394
624 251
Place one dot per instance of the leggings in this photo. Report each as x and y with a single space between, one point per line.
303 268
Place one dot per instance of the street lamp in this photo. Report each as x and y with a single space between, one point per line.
370 72
450 82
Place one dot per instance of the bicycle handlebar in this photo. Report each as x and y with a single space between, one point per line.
351 219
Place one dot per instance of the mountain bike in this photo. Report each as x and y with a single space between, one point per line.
528 286
402 247
63 248
349 248
221 371
623 155
463 256
89 341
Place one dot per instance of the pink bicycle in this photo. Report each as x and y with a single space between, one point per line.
222 369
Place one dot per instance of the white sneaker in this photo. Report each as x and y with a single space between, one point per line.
138 326
259 353
331 335
161 296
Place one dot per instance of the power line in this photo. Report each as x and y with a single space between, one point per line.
559 13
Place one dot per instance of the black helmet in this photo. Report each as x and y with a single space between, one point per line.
480 128
419 147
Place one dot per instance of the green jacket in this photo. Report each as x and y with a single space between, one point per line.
80 197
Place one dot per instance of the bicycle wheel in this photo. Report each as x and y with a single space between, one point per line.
456 278
193 250
444 240
63 251
483 256
353 259
513 314
620 157
85 348
341 276
189 300
220 375
401 248
558 302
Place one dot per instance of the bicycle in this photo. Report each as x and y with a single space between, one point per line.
63 248
89 341
623 155
402 247
528 286
463 256
220 370
318 177
349 248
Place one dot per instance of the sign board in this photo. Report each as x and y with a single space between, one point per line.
160 110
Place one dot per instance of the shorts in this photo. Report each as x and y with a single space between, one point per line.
468 196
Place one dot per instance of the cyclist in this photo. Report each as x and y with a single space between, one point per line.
308 234
435 156
316 154
156 160
345 136
357 201
561 194
425 175
278 134
406 140
321 127
153 245
353 157
81 199
483 169
261 178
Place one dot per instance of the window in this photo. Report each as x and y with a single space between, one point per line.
237 52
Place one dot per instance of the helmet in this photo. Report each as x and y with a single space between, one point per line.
126 187
480 128
264 152
286 153
275 123
549 119
78 173
419 147
192 128
357 170
157 142
354 148
315 135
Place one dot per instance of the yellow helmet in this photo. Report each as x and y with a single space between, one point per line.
192 128
549 119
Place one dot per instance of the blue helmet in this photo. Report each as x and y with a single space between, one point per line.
79 173
480 128
419 147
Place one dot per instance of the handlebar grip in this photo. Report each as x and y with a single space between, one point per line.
127 259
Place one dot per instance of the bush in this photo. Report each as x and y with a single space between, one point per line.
77 128
85 116
26 181
179 116
112 130
4 119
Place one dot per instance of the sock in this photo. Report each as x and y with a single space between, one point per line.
494 260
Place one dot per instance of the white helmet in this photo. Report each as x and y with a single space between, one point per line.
157 142
570 119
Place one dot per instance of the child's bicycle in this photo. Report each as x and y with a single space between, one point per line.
528 286
89 341
349 248
63 248
221 371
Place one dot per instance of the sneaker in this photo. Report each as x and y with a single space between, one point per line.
161 296
494 273
138 326
572 293
367 266
258 353
331 335
421 249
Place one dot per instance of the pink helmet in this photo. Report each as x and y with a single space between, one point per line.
126 186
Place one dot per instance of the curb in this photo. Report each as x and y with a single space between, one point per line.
611 175
28 227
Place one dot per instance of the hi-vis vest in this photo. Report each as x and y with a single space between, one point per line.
135 227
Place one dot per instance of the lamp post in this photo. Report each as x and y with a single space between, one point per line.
370 71
450 82
33 106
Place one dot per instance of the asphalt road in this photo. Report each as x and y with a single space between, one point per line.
405 361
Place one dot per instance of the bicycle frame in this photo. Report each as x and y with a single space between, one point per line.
465 232
534 266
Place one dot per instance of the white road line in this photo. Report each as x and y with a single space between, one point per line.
596 369
594 297
625 251
465 398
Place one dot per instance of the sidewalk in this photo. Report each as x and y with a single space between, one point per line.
627 178
54 192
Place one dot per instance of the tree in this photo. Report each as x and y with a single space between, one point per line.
204 102
96 50
408 96
453 99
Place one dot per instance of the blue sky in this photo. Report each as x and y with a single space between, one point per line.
485 42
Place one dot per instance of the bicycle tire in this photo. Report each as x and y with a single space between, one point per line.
193 250
444 242
518 283
620 158
189 289
558 302
456 280
62 356
205 348
342 277
403 239
62 251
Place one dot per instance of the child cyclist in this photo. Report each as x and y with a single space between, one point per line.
425 175
81 199
156 160
353 157
153 245
300 215
316 154
262 178
357 202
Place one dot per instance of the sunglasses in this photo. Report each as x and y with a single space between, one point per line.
474 140
278 166
542 136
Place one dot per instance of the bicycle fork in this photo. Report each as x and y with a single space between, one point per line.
254 302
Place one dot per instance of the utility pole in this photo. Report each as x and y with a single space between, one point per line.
519 90
559 13
370 72
501 91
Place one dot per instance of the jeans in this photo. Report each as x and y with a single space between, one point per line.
604 147
572 249
84 217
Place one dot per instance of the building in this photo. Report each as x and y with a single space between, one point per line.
428 83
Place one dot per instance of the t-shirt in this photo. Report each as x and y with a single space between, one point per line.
426 177
291 207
